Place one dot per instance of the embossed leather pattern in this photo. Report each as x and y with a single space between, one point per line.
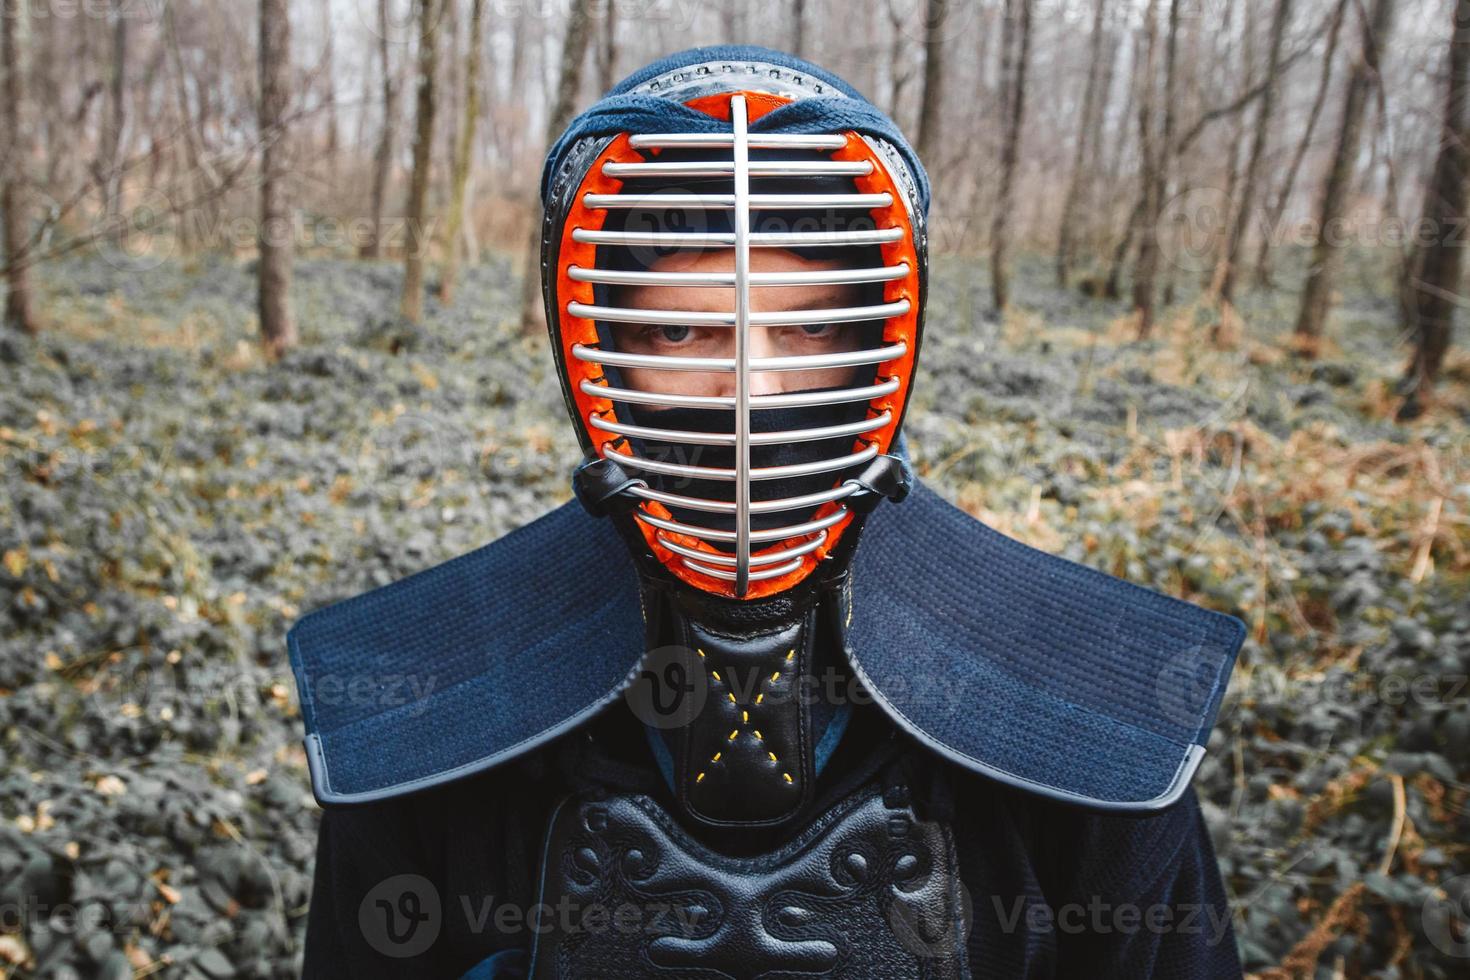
868 890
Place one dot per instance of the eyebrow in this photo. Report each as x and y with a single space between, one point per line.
827 301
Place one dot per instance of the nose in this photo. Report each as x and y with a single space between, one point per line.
762 382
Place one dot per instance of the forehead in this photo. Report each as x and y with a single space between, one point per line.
720 298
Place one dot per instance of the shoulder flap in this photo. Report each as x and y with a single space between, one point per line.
1032 669
469 663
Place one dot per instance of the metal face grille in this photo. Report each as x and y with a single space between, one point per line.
743 553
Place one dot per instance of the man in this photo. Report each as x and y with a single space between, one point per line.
758 703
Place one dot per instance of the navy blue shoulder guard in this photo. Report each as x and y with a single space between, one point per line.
1023 666
470 663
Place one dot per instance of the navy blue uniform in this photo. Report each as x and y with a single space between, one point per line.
1054 890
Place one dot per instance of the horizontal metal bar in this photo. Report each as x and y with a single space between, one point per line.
726 365
693 472
751 576
689 436
715 534
773 506
770 558
726 168
789 399
823 277
720 239
816 141
707 318
726 202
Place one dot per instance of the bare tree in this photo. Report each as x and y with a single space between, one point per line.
1157 153
1327 254
932 99
372 246
899 72
1015 106
463 153
108 167
412 304
574 53
1246 202
329 85
1081 169
277 328
14 196
1288 182
1435 287
607 52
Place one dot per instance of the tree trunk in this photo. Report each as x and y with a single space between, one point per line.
1258 151
1327 254
417 225
1435 288
117 115
372 246
898 72
932 98
329 88
607 52
1154 154
573 54
1015 105
463 153
277 328
14 196
1278 207
1066 237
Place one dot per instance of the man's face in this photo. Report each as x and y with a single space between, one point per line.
816 337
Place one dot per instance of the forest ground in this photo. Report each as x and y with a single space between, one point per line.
170 504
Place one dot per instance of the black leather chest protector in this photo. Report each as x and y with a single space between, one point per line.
857 884
867 890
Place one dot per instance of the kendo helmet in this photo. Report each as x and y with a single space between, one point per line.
735 150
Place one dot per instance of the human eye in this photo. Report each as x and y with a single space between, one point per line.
819 331
647 335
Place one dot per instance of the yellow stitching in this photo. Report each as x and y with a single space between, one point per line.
715 757
759 698
772 755
715 674
699 651
732 735
791 653
731 696
776 676
788 777
758 736
744 717
699 778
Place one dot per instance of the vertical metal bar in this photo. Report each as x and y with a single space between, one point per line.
741 145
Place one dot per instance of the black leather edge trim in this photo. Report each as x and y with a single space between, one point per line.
321 784
1183 774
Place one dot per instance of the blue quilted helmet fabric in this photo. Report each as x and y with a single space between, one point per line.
621 111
